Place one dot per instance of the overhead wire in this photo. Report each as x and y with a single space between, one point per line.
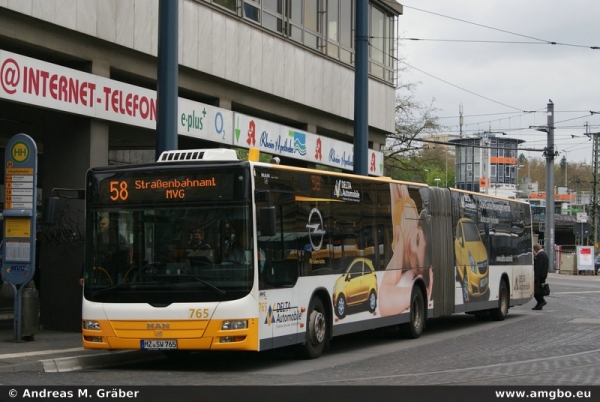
461 88
541 41
544 41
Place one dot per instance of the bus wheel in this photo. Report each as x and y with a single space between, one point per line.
340 306
414 327
372 301
316 331
499 313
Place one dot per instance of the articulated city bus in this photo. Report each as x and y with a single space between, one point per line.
201 251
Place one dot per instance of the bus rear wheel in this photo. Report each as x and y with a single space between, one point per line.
414 327
500 312
316 330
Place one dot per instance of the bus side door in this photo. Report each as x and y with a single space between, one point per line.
278 274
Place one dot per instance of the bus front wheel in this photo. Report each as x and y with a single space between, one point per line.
316 330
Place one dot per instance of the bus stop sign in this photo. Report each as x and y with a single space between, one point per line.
20 201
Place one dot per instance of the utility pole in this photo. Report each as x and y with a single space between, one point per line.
550 154
594 200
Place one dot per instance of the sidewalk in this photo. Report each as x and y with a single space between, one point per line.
55 351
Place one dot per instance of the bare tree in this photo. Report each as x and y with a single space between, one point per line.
403 154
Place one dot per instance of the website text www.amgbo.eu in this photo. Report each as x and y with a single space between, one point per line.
544 394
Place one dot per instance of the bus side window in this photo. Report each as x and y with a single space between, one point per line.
284 273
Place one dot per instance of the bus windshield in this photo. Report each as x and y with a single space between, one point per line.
163 255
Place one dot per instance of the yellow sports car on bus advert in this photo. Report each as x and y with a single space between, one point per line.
471 260
357 286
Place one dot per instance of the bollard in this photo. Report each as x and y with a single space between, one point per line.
30 317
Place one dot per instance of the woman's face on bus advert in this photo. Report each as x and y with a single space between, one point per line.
414 248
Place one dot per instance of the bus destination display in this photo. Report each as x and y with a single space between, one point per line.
144 188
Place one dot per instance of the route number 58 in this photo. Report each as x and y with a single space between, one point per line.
118 190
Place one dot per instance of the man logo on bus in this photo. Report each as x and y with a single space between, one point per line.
315 229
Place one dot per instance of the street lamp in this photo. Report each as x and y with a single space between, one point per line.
437 181
549 153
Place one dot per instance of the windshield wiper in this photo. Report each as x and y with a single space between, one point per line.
108 289
209 285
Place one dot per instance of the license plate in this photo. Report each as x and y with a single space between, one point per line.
483 282
159 345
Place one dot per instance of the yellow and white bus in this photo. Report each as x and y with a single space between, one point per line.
202 251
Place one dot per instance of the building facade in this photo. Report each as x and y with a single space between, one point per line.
487 163
79 77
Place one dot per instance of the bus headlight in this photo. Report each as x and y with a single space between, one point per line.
229 325
93 325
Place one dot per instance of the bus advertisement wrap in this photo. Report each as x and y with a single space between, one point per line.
266 256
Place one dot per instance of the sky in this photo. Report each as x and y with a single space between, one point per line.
496 59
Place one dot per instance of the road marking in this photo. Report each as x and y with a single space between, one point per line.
38 353
586 321
573 293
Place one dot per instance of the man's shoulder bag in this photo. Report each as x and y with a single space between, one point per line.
545 289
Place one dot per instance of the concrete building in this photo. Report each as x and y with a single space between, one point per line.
487 163
80 77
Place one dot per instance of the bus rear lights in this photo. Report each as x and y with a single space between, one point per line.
229 339
93 325
232 325
93 339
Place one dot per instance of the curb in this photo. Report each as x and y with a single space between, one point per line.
82 362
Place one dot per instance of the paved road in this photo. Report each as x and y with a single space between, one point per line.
559 345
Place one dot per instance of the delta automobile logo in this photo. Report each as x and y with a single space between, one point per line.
466 202
270 319
343 189
282 314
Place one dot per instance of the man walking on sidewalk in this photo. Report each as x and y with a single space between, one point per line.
540 273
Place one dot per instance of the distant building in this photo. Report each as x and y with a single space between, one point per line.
487 163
